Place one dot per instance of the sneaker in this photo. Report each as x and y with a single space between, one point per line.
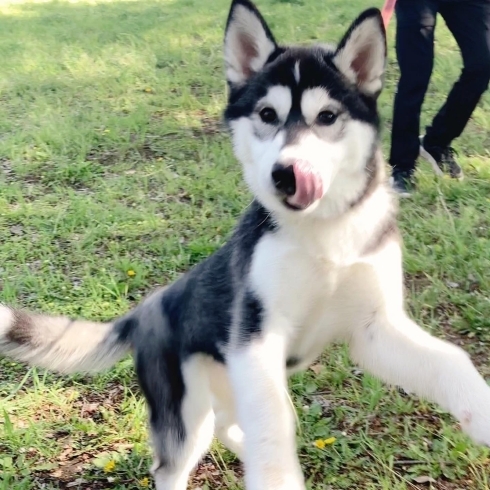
442 160
402 183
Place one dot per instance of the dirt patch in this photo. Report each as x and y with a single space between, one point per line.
215 477
417 282
211 126
107 158
110 157
6 169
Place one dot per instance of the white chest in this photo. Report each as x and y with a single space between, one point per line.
315 299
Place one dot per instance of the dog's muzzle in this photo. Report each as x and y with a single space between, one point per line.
298 182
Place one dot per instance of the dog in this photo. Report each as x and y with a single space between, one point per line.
315 259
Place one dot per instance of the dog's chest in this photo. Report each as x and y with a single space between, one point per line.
319 297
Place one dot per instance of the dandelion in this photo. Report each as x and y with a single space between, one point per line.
110 466
131 273
320 443
145 482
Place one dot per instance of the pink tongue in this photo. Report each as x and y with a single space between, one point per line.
309 186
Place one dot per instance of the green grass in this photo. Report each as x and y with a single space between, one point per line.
113 158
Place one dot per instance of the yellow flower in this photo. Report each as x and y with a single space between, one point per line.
145 482
320 443
148 90
131 273
110 466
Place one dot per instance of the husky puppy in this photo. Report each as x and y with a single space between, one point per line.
315 259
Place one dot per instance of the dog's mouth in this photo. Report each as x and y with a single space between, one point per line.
293 207
298 184
308 186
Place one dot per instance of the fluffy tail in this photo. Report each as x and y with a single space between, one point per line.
61 344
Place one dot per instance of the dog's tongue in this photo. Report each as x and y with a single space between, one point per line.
309 186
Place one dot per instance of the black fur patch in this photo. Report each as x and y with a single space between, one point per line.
317 69
21 331
256 222
158 366
125 328
292 362
197 309
251 317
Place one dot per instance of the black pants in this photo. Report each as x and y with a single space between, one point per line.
469 22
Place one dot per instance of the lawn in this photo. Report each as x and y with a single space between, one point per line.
116 176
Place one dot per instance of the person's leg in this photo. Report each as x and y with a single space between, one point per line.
416 20
469 22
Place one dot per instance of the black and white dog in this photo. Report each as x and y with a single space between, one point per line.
315 259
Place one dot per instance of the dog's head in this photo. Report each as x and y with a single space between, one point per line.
304 120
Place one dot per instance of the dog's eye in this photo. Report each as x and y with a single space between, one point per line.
326 118
268 115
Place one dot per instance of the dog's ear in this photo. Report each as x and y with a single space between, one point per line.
361 55
248 42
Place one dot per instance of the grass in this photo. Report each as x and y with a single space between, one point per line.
113 159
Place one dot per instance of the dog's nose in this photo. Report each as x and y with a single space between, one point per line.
284 179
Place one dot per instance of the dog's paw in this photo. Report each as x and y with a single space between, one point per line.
476 423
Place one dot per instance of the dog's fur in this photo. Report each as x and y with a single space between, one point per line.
315 259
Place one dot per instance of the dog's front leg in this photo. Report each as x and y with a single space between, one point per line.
401 353
258 375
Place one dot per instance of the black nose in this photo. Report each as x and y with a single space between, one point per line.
283 178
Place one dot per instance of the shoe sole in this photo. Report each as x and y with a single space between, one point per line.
428 157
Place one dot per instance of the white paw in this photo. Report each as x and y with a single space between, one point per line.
475 417
477 425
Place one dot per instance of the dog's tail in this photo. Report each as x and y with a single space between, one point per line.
61 344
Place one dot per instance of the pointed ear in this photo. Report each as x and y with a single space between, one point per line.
248 42
361 55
